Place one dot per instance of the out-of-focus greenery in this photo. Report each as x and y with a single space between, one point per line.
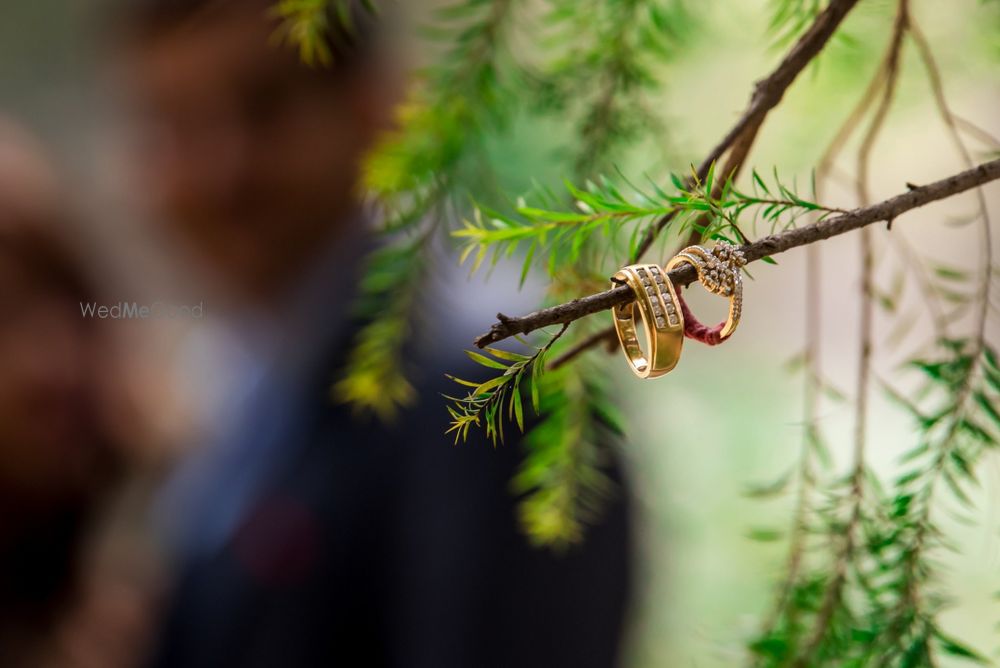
311 24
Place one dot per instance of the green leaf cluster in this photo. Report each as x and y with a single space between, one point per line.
617 216
486 403
417 175
605 62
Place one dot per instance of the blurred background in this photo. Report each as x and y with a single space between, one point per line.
728 418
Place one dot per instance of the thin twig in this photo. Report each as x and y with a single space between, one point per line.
929 292
937 89
768 246
976 131
834 592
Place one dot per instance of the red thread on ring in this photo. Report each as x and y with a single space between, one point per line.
694 329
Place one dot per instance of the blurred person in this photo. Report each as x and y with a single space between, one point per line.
303 536
59 456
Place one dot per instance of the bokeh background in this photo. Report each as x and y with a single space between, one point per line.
728 418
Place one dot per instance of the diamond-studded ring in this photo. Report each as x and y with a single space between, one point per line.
719 271
657 305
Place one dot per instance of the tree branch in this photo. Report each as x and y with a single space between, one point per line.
764 247
766 96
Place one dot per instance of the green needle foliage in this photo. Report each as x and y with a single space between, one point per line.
555 237
563 481
604 65
433 159
311 25
877 603
958 425
419 175
490 403
372 380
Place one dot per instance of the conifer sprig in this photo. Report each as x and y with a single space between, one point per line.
487 402
554 237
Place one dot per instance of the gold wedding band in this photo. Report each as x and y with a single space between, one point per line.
662 320
719 272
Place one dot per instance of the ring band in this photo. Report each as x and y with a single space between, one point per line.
719 272
656 302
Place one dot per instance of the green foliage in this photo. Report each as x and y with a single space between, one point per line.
957 427
486 402
425 166
790 18
885 602
418 176
554 237
604 64
311 25
373 380
562 478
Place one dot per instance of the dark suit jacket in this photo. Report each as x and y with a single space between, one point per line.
390 546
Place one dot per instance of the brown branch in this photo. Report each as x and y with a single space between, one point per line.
766 96
948 117
767 246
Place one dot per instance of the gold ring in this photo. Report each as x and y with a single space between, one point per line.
719 271
662 319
